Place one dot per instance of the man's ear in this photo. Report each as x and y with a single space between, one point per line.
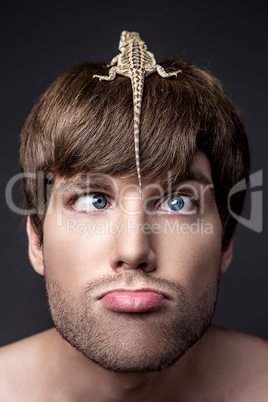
35 249
227 254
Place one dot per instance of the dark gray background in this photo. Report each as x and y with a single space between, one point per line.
40 39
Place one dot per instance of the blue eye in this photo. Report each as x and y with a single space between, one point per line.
175 203
182 204
90 202
99 201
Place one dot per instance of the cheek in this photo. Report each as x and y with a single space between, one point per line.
73 254
193 259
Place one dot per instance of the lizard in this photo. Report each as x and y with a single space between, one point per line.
136 62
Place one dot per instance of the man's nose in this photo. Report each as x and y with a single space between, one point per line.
132 248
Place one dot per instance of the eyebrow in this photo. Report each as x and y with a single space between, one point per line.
85 183
192 176
100 183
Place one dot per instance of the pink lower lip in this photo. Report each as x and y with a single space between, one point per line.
133 301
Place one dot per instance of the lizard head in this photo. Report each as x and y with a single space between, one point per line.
128 37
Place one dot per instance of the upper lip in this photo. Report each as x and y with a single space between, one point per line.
141 289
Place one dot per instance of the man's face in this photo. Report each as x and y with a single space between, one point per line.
132 281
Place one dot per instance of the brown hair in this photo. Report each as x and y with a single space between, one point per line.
82 125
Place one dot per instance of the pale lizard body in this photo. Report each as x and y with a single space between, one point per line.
135 62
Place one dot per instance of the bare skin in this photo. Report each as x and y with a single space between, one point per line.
223 366
134 266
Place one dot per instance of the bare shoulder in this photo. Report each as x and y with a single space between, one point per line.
240 361
239 346
19 361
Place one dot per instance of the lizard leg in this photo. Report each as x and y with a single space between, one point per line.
114 61
161 71
150 54
110 77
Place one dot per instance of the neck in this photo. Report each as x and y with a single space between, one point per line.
83 380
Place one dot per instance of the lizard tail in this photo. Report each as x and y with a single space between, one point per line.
137 103
137 144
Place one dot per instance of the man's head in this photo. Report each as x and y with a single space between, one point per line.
131 282
81 125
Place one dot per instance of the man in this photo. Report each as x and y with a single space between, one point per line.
132 279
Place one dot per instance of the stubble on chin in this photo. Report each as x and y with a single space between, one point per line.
134 342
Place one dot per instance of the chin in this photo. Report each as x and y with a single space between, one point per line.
132 342
135 343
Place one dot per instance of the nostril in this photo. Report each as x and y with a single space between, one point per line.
142 265
126 256
123 264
